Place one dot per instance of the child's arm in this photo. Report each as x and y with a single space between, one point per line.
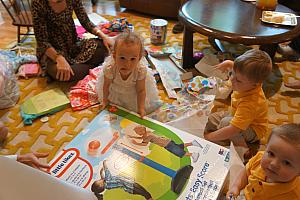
224 133
225 66
106 85
107 41
239 183
141 96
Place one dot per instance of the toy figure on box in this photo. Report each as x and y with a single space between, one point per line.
168 144
108 181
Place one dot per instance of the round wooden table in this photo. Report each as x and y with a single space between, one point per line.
234 21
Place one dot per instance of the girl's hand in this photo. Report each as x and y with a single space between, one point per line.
232 193
64 70
224 66
104 104
142 112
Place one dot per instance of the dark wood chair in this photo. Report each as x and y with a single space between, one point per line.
19 11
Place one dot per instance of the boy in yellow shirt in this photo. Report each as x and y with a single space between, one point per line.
274 173
247 121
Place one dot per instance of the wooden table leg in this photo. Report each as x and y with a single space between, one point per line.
187 52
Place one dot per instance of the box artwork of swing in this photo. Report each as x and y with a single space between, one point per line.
120 156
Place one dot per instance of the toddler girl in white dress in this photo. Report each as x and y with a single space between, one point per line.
126 80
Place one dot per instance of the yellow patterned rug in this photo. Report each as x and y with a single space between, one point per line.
62 127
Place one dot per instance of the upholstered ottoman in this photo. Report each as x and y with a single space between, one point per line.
162 8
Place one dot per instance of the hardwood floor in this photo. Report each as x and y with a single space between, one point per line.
8 32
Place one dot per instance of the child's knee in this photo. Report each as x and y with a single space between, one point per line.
250 136
225 122
214 120
210 126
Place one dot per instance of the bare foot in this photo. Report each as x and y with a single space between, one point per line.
293 85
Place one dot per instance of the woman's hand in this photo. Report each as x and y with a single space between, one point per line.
64 70
32 159
108 42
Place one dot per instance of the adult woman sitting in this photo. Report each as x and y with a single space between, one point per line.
65 56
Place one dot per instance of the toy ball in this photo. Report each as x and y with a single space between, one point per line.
93 147
95 144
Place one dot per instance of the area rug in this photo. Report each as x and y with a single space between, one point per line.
63 126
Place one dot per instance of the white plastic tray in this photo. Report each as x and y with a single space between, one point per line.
279 18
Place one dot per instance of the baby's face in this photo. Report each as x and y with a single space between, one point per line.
127 57
240 82
281 161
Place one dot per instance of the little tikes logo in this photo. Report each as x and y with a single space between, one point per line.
64 161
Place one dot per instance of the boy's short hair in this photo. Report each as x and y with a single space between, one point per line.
255 64
130 38
288 132
96 188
